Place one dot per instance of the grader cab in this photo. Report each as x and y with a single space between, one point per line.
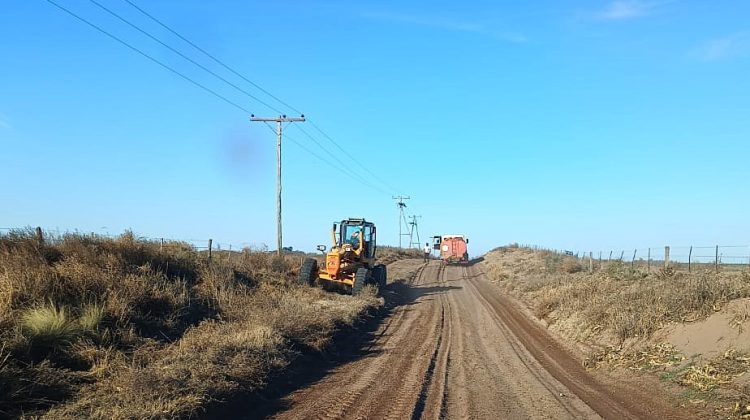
350 264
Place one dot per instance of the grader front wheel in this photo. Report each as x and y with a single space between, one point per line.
308 272
360 279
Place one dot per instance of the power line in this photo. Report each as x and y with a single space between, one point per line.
354 173
328 162
322 159
216 60
100 29
149 57
315 126
236 73
202 67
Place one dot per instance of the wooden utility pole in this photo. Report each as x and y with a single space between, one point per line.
279 121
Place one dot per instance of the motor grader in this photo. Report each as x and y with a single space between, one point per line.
351 262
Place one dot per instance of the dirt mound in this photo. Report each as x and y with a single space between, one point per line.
725 330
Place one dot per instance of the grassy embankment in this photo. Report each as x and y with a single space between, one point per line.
121 328
623 314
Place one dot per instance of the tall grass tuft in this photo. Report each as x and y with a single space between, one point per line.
91 317
49 327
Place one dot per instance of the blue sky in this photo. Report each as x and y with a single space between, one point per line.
574 125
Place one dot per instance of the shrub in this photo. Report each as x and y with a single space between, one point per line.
91 317
570 266
49 328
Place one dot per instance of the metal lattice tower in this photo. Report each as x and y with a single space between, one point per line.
414 231
403 224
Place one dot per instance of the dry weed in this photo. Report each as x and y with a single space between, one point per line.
720 371
651 358
624 302
121 328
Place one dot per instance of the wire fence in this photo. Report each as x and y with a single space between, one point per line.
687 258
207 246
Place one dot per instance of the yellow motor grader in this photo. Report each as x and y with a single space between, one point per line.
351 262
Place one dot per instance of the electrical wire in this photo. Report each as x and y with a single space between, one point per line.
207 54
201 66
236 73
322 159
100 29
360 178
354 174
315 126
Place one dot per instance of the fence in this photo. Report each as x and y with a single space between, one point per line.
687 258
200 246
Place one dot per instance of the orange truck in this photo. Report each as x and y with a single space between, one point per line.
453 248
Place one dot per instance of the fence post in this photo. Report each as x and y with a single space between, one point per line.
632 263
39 236
600 260
648 261
161 247
591 262
666 257
230 253
210 243
610 256
622 255
716 261
690 260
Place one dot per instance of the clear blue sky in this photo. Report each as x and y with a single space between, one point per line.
576 125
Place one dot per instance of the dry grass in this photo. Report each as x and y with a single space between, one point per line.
389 254
716 373
116 328
661 356
618 301
618 309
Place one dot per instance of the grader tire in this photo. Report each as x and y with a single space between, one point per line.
308 272
382 277
360 279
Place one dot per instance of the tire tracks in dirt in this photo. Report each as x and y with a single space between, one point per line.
387 383
455 347
611 401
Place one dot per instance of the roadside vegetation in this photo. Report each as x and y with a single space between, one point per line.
620 314
92 327
618 301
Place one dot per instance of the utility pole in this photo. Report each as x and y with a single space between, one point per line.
279 121
401 216
414 229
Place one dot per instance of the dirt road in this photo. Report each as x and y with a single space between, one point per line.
454 347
